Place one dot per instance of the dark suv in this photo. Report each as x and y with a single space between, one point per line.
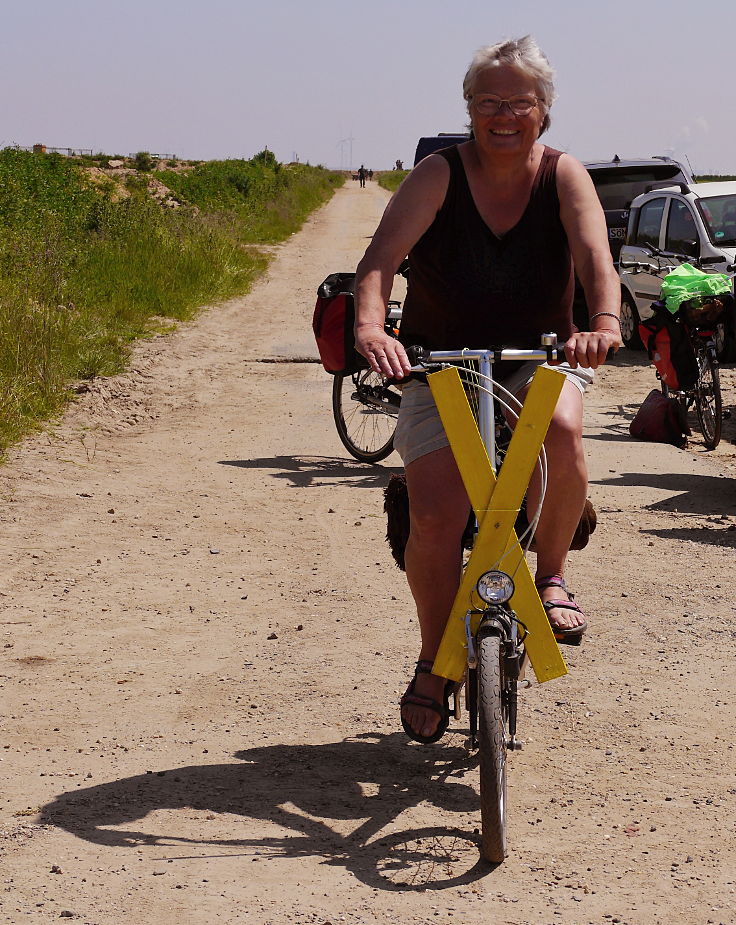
619 182
432 143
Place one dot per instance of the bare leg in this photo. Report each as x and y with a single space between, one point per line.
439 510
567 484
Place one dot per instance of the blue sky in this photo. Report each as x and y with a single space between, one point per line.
225 78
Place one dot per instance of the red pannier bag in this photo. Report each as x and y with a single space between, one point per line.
669 348
332 323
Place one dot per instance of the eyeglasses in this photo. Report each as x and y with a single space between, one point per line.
489 105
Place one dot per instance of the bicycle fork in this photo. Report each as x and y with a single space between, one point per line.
502 622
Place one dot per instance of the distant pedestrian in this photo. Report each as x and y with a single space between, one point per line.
362 175
370 174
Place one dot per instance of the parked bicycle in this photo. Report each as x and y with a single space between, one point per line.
365 406
498 623
683 348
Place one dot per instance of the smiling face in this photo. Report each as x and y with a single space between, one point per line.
503 130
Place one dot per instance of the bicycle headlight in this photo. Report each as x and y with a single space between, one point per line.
495 587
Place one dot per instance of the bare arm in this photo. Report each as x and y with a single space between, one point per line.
585 225
408 215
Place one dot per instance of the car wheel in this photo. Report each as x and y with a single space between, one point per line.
725 338
630 323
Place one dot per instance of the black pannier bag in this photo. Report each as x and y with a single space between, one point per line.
332 323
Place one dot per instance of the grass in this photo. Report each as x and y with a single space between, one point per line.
83 272
391 179
255 201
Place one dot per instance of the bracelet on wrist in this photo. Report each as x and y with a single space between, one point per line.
604 315
369 324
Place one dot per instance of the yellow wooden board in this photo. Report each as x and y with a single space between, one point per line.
496 503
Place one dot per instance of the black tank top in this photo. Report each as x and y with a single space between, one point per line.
470 288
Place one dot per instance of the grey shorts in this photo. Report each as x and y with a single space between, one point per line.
419 430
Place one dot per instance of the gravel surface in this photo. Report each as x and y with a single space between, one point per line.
204 641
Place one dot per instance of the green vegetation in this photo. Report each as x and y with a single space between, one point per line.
255 201
391 179
85 268
144 161
714 178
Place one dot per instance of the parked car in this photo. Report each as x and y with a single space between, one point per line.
619 182
693 223
431 143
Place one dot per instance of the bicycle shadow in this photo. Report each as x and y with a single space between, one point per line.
693 494
369 780
707 536
318 471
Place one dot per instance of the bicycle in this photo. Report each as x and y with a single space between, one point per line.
705 395
365 406
698 320
487 645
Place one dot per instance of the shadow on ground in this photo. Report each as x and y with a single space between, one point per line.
300 789
317 471
690 494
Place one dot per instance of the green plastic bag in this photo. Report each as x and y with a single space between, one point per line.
687 282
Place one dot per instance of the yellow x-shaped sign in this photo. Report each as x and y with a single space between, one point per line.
496 503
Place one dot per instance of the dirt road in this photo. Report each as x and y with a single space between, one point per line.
203 642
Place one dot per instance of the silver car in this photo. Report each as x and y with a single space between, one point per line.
693 223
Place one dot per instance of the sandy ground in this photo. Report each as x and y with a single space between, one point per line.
203 642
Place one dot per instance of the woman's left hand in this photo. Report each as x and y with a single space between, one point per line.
590 348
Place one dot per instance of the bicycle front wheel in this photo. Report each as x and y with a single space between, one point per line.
365 409
492 747
708 401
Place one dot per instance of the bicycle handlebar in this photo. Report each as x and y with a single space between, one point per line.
637 266
550 352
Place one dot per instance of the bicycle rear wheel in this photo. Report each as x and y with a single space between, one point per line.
365 409
492 747
708 400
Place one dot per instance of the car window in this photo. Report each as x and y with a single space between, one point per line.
617 188
650 220
719 215
682 234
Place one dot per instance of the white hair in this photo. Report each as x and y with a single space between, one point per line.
524 54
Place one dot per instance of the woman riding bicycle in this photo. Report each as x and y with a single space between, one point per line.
492 228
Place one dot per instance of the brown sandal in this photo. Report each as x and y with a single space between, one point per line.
569 635
424 666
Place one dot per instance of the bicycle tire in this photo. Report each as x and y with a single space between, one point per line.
683 402
708 400
365 411
492 748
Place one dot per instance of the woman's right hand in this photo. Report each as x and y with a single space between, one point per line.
384 353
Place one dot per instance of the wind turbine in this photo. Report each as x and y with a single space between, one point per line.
341 146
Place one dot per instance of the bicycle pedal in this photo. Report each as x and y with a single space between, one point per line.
514 744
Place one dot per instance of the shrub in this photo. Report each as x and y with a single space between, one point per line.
144 162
